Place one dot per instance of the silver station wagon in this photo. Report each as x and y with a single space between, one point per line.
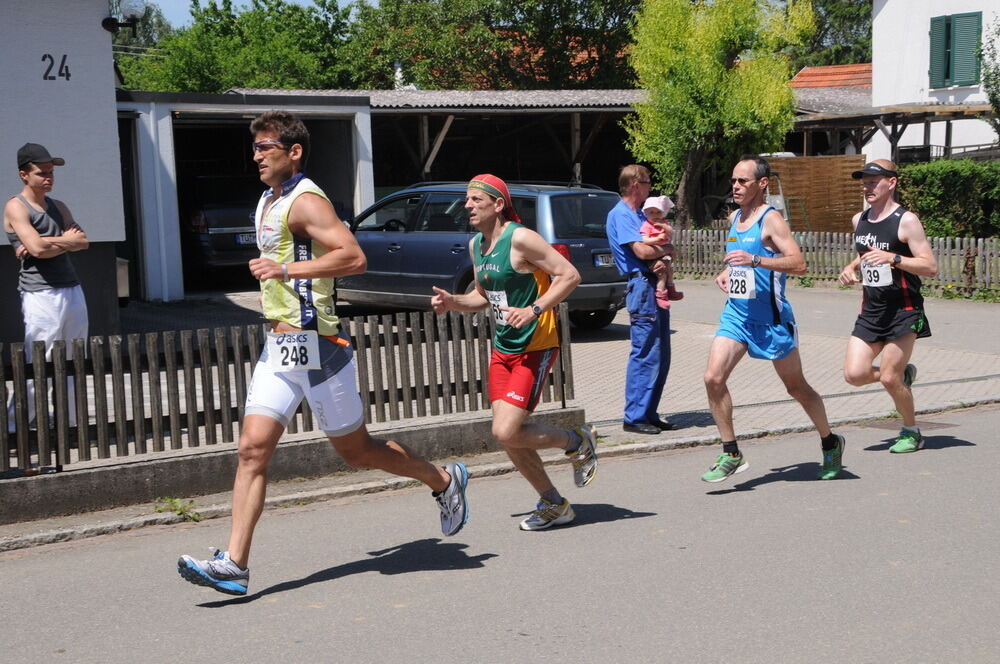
419 237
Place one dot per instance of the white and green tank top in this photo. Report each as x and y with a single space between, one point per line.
305 303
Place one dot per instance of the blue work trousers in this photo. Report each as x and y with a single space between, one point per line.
649 357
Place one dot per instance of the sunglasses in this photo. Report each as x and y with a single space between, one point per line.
264 146
741 180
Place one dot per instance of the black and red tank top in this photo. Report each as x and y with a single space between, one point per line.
903 294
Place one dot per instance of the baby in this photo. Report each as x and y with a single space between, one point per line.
656 230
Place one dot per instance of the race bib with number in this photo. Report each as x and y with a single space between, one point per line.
498 299
293 351
742 285
876 276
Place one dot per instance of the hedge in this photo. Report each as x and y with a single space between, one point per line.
954 198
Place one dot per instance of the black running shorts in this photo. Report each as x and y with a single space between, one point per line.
888 327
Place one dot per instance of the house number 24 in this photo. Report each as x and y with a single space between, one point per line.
61 72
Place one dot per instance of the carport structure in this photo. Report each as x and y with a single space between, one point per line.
524 135
168 138
857 128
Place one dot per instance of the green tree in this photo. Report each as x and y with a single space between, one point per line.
269 44
717 81
558 44
480 44
989 57
843 35
444 44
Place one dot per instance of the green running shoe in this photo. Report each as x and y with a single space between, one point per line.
725 466
833 461
908 441
909 375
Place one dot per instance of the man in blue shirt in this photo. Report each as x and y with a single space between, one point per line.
649 357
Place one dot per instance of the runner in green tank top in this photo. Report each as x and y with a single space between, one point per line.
521 278
506 287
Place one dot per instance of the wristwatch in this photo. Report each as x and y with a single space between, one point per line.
897 259
755 261
537 310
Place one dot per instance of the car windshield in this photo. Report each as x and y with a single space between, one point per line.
229 190
581 215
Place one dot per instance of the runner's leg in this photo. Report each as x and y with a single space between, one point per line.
859 361
256 447
723 356
895 356
789 369
360 450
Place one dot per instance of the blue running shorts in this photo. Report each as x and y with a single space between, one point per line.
764 341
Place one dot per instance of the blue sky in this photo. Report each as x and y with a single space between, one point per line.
176 11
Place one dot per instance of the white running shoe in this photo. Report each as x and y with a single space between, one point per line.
548 514
220 573
451 501
584 458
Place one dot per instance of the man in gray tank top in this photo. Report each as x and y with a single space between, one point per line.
42 232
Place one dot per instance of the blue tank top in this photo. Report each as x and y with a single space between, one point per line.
769 304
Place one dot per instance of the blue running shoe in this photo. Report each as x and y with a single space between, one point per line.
220 573
451 501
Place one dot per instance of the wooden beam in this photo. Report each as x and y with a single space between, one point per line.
602 118
438 140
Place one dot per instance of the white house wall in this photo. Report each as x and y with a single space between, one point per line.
900 64
73 114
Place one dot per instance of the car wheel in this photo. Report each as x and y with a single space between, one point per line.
592 320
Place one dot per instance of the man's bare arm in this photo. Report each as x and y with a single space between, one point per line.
313 217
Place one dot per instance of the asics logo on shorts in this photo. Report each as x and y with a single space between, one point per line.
515 395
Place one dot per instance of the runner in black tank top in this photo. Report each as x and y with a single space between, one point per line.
893 253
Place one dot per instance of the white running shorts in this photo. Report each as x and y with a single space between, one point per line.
331 391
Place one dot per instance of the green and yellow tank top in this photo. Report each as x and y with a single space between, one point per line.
305 303
505 287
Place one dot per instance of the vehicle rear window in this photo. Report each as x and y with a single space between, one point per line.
526 210
223 190
581 215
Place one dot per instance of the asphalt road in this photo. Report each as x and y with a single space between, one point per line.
893 563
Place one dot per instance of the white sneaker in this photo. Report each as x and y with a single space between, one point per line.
451 501
220 573
584 458
548 514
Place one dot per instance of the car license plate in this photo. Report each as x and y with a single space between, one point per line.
246 238
602 260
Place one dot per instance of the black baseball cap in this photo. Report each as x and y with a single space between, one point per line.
871 168
33 153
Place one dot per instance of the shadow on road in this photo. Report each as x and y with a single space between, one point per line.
424 555
589 513
930 443
800 472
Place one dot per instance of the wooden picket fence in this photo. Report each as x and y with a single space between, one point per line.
969 263
176 390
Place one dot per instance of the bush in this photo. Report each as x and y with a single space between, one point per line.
954 198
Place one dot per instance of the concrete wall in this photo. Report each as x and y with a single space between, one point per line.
900 64
59 90
193 474
73 116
